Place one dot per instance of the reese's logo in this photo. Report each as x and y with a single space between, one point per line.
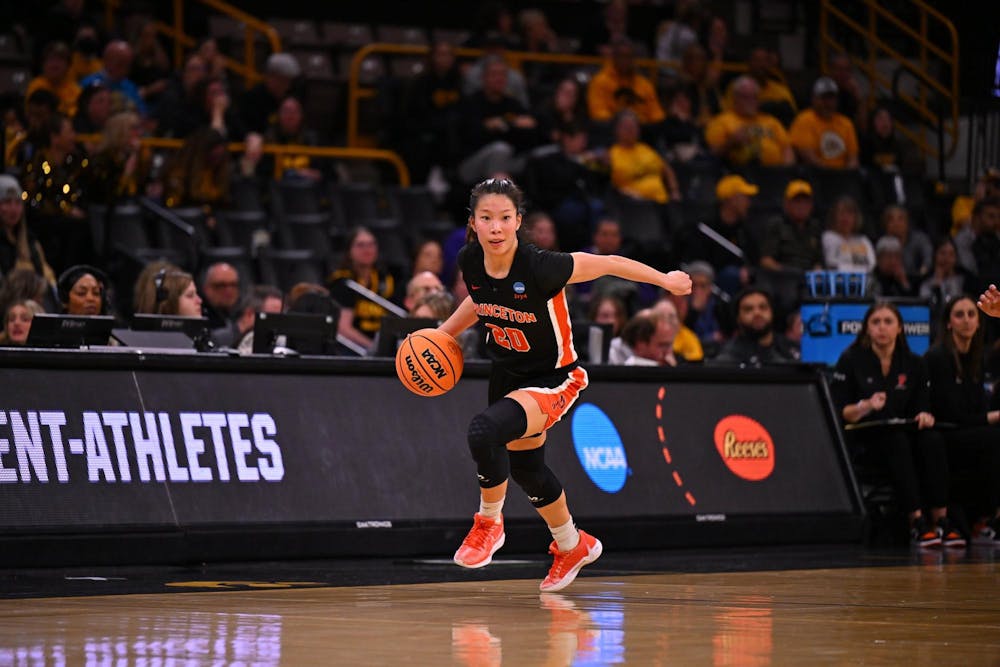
745 446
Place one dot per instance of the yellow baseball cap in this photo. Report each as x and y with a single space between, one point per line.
732 185
798 188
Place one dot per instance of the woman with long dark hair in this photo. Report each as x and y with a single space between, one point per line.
955 367
878 380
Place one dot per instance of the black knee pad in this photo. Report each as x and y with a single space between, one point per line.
489 433
530 472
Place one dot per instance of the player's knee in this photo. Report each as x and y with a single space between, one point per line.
528 470
482 437
493 428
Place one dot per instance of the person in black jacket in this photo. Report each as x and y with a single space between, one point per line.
955 366
876 379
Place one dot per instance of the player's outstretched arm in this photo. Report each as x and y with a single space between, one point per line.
989 301
589 267
463 318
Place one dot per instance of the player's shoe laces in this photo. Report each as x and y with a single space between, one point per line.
478 547
950 536
566 564
924 535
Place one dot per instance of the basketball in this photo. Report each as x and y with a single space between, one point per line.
429 362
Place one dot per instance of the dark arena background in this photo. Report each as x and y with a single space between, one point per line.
206 456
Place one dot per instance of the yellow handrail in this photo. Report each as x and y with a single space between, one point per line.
879 83
355 91
336 152
181 40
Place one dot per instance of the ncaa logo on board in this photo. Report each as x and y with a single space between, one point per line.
518 287
599 448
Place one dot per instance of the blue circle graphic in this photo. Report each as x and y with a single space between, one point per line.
599 448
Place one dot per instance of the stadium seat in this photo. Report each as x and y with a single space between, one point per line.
399 34
240 228
307 231
125 226
346 36
831 184
771 181
453 37
414 207
285 268
361 206
296 32
292 197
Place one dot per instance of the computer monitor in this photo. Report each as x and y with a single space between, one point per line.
394 329
195 328
592 341
70 331
304 333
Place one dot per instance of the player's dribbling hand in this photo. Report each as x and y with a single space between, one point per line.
678 282
989 301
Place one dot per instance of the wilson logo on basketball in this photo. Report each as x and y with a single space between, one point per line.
418 380
745 447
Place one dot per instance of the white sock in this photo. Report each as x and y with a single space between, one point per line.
566 536
491 510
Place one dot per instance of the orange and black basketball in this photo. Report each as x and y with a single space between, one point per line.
429 362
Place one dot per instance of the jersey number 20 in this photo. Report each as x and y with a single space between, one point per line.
509 338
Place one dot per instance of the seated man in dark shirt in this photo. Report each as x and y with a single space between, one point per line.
889 279
792 241
755 343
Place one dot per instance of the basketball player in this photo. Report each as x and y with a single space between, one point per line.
989 301
517 291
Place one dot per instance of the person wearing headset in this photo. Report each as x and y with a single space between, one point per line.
170 291
83 290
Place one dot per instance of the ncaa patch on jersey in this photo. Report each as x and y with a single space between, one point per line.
518 287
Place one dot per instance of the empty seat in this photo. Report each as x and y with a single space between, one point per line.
416 211
241 228
361 206
399 34
316 65
346 36
297 32
297 196
406 67
771 182
245 195
14 78
308 231
453 37
125 227
371 71
285 268
394 251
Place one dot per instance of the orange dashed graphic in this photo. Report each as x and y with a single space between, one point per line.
745 447
661 435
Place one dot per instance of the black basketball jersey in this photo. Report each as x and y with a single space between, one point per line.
526 315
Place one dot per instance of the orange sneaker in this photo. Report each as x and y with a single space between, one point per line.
478 547
566 564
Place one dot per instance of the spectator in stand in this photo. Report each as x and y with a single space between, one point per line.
619 86
948 279
494 23
879 378
170 292
63 19
84 290
14 132
473 78
566 108
708 311
216 110
125 94
182 108
673 38
430 102
986 247
884 150
611 27
793 241
700 83
608 310
686 343
429 256
262 299
222 289
569 183
717 45
850 101
39 109
215 62
55 78
773 96
19 249
889 278
94 109
955 370
537 36
821 136
289 128
987 186
419 286
985 215
745 135
151 67
756 343
17 321
918 252
493 127
436 306
793 333
117 169
650 340
360 318
54 182
732 271
540 231
26 284
845 248
85 59
258 107
637 170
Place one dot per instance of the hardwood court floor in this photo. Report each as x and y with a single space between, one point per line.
923 614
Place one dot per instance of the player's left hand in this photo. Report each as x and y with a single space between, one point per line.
677 282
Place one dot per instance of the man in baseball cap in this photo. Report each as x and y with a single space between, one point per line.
259 105
821 136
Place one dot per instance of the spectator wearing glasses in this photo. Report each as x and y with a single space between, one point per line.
221 288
